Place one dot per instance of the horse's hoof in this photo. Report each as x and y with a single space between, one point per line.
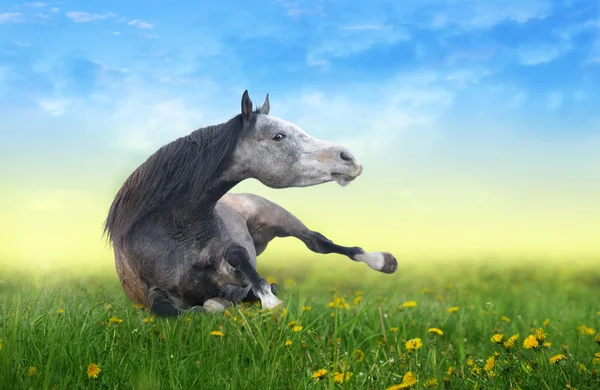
390 264
271 302
215 305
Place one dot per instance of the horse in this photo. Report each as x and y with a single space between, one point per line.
182 243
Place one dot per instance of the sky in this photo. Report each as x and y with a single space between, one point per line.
477 122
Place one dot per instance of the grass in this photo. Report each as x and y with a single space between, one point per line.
352 327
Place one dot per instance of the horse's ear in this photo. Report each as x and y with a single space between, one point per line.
246 105
265 108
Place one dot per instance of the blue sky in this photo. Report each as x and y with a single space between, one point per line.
455 82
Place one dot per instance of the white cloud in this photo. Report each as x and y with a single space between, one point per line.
148 36
11 17
540 54
35 5
84 17
55 107
54 10
116 33
140 24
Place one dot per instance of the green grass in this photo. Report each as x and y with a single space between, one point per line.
181 353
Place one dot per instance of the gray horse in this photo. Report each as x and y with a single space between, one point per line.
182 243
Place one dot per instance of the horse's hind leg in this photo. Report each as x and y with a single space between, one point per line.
161 304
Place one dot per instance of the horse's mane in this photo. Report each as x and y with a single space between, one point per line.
175 174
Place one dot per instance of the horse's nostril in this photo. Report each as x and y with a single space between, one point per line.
346 157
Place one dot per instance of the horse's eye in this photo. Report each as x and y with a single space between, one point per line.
278 137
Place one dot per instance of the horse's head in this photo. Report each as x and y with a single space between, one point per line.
280 154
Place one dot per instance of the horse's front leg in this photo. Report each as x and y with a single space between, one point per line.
238 257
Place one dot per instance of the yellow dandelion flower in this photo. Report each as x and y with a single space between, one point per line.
505 319
217 333
581 368
32 370
271 279
319 373
413 344
188 319
306 308
426 291
339 303
547 344
341 377
358 355
557 358
115 320
597 338
93 370
476 371
108 306
289 282
510 343
408 380
359 292
450 370
596 359
497 338
598 312
540 336
496 354
291 324
530 342
436 331
148 320
61 311
490 363
409 304
430 382
453 309
393 329
546 323
358 299
138 306
297 328
288 343
470 362
585 330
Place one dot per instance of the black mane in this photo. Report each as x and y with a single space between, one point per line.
173 176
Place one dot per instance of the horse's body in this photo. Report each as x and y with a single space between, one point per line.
180 241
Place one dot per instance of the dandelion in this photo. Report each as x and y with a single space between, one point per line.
585 330
413 344
408 380
596 359
292 324
540 336
453 309
530 342
557 358
217 333
32 370
436 331
547 344
430 382
426 291
497 338
357 299
508 344
505 319
148 320
93 370
546 323
341 377
470 362
297 328
409 304
306 308
450 370
339 303
271 279
319 373
358 355
393 329
597 338
581 368
288 343
138 306
115 320
490 363
61 311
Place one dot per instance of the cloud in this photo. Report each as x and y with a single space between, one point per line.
538 53
141 25
35 5
148 36
11 17
84 17
55 107
554 101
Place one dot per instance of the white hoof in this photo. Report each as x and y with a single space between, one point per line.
216 305
270 301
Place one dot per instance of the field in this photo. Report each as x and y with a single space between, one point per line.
464 325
